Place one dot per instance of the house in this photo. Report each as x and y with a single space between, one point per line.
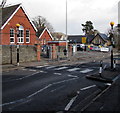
101 39
45 36
80 39
17 27
59 36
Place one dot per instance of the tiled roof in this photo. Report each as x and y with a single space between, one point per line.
78 38
104 36
7 12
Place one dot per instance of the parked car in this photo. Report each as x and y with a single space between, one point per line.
95 48
105 49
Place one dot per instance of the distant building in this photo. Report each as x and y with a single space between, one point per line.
80 39
101 39
17 27
59 36
45 36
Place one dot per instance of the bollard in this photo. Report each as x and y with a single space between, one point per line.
114 64
100 70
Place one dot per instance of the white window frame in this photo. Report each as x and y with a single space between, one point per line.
28 36
20 38
44 41
13 35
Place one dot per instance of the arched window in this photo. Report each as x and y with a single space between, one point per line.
20 34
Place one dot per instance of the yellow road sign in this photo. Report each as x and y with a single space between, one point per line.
83 40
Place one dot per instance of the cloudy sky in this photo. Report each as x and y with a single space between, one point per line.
100 12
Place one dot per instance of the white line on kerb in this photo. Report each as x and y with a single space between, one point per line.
70 103
87 87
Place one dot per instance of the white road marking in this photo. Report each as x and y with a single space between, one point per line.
29 96
25 99
70 103
46 87
32 70
61 68
57 73
88 87
22 77
105 67
64 81
116 78
73 69
41 66
50 67
86 70
72 76
27 76
42 71
108 84
57 89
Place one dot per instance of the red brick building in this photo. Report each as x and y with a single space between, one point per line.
45 36
17 27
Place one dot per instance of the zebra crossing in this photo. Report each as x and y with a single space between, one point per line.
66 68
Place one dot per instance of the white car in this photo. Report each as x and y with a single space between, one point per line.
104 49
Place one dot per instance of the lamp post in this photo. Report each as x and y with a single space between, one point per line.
112 24
17 25
66 31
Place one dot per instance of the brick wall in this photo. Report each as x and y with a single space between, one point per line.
26 53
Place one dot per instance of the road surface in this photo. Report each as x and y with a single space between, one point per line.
50 87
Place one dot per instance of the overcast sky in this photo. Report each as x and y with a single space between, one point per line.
100 12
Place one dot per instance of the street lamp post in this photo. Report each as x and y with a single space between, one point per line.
112 24
17 25
66 31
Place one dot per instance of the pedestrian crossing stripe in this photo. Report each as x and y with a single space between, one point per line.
50 67
73 69
61 68
86 70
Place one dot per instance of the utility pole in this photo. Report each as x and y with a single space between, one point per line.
66 31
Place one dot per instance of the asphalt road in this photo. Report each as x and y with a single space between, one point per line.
50 88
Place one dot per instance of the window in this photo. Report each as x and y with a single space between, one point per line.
44 41
27 36
20 34
12 36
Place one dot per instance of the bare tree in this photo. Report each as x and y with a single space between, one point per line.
3 3
41 22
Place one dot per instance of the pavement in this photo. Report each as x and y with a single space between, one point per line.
109 99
